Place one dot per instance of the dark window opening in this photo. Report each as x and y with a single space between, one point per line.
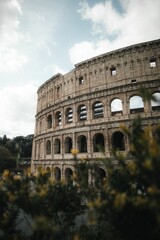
136 110
57 146
118 141
58 91
81 80
133 81
57 173
82 144
68 145
48 147
100 176
98 143
49 121
68 175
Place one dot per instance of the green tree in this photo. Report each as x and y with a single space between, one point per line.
6 161
128 201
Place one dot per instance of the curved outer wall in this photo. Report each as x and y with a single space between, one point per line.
76 110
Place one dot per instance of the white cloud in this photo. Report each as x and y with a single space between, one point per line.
139 21
54 69
104 17
9 22
84 50
17 110
10 58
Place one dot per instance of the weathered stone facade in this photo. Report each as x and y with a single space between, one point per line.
85 108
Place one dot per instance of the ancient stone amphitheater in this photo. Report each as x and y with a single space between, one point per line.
85 108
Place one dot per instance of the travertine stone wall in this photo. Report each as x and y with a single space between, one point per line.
62 123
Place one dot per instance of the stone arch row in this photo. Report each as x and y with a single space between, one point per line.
117 142
68 174
136 105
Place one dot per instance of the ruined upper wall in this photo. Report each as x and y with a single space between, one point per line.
119 67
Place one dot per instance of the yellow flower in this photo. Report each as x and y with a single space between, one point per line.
74 151
17 177
6 173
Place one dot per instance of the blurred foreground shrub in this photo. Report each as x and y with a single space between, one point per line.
124 206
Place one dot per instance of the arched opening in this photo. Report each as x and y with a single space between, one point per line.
98 143
48 170
68 175
82 112
136 104
69 115
57 146
116 107
48 147
97 109
155 102
49 121
68 145
58 118
82 144
57 174
118 141
100 176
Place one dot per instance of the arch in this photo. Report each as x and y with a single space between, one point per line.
57 174
82 112
48 147
155 102
57 146
97 109
68 174
49 121
100 176
118 141
136 104
82 144
116 107
69 115
68 144
58 118
48 170
98 143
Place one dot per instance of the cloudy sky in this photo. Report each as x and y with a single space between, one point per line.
39 38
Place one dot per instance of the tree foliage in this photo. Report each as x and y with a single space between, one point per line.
122 206
18 148
128 202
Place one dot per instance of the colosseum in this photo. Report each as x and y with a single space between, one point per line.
85 108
